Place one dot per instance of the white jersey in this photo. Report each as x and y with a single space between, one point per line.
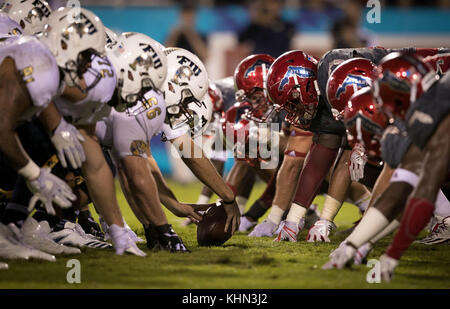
94 107
130 135
38 68
8 26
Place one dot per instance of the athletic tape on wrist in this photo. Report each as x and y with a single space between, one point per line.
403 175
30 171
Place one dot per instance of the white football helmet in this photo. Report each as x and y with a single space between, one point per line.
74 35
141 65
9 26
31 15
111 36
185 88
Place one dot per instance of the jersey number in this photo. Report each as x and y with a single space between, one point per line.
26 74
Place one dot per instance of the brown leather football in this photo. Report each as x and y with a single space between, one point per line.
210 231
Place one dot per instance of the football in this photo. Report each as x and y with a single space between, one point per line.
210 231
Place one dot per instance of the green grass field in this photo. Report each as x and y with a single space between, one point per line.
242 262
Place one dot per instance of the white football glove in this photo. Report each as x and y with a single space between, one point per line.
48 188
67 141
358 160
320 231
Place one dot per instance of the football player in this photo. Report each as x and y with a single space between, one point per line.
292 84
79 31
184 107
418 85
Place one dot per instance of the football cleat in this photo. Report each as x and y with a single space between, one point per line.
89 225
387 267
3 266
246 224
72 234
123 242
341 257
312 216
265 229
320 231
362 253
288 231
37 235
12 248
169 240
440 233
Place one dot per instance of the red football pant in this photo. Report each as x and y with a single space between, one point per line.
318 163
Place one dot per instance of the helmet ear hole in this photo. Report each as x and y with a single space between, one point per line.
63 45
22 24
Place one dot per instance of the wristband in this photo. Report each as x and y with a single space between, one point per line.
232 202
30 171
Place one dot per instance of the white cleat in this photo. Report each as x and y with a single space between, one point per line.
246 224
387 267
3 266
288 232
37 235
12 248
440 233
123 242
73 235
341 257
265 229
320 231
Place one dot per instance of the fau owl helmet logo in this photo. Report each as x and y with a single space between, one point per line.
350 80
258 64
299 71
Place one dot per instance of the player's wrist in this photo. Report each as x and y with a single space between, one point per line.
30 171
229 202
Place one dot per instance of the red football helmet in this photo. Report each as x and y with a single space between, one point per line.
292 85
347 78
440 63
401 79
216 97
236 131
365 123
249 79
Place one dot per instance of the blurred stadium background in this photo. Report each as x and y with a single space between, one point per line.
223 32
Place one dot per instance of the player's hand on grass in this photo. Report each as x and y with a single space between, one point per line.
233 215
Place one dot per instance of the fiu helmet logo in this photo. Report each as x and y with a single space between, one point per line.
82 25
254 68
41 10
145 61
350 80
191 64
299 71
